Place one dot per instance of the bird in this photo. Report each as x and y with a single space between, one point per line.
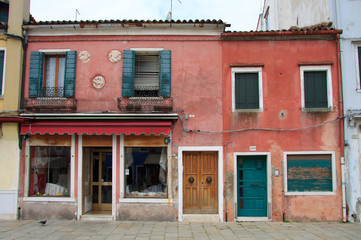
43 222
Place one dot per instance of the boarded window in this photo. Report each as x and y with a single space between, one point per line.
315 84
309 173
246 91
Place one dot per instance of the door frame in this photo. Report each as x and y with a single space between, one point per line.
269 185
218 149
79 156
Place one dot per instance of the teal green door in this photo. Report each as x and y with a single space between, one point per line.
252 186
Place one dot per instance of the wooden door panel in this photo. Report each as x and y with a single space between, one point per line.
200 195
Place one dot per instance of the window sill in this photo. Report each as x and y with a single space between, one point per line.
247 110
309 193
145 200
317 109
48 199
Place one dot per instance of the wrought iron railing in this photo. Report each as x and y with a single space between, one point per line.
53 92
146 91
145 104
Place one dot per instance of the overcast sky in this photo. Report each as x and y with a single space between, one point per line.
241 14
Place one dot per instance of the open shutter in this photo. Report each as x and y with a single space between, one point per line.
70 72
315 89
165 73
2 53
36 74
128 73
247 91
359 64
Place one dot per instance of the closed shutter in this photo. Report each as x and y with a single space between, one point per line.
36 74
70 72
246 91
128 73
2 55
315 84
146 75
165 73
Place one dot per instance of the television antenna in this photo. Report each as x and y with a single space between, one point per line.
170 14
76 14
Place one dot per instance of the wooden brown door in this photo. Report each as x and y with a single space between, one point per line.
200 183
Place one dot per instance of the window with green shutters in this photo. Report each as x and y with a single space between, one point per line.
316 87
146 73
52 75
358 53
247 89
309 173
2 66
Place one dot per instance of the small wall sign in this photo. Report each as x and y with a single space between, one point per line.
252 148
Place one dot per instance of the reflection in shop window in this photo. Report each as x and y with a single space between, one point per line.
146 172
50 171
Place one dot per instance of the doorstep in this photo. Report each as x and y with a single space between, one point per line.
96 217
200 218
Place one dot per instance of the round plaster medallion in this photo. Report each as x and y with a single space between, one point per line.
84 56
115 56
98 82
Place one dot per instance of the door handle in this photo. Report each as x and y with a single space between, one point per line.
209 179
191 180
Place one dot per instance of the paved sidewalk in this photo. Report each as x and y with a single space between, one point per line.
62 229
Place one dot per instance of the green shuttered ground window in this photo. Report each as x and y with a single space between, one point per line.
52 75
246 91
2 61
359 65
146 73
309 173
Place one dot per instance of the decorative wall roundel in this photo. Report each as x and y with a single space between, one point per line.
115 56
98 82
84 56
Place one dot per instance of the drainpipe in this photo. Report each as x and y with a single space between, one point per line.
225 182
342 140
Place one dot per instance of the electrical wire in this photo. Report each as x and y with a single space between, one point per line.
260 129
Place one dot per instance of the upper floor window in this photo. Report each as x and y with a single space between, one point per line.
52 73
247 89
146 73
358 66
316 87
2 71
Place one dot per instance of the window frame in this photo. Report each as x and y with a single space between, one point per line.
315 68
56 77
28 198
2 92
357 45
310 193
260 87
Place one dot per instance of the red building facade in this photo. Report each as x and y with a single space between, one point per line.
136 120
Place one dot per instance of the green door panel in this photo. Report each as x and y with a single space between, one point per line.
252 186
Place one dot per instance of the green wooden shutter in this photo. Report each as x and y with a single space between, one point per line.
247 91
165 73
70 72
128 73
2 55
315 84
36 74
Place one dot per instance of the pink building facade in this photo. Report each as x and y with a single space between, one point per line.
146 120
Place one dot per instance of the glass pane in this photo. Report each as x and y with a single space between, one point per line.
146 172
61 73
106 167
50 171
106 194
95 194
96 167
50 76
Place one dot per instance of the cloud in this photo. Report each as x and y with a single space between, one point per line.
242 14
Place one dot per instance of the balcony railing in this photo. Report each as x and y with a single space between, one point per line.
145 104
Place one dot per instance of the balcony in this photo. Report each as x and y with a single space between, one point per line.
51 99
145 104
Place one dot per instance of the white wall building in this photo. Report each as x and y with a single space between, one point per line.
344 14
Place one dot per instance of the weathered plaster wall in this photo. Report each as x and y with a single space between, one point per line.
47 210
145 212
282 94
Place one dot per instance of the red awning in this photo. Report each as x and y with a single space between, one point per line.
97 127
